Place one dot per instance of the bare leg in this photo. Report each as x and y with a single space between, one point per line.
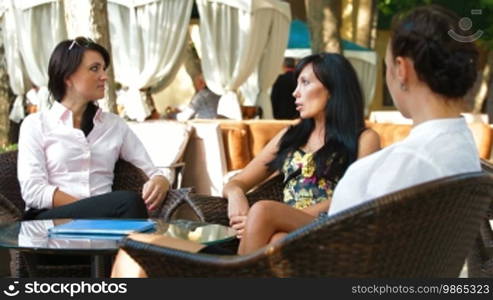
266 218
126 267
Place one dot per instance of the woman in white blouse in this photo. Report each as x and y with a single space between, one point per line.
67 154
431 64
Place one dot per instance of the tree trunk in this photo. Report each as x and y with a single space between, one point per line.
324 19
347 30
374 25
365 11
90 18
6 97
489 92
485 82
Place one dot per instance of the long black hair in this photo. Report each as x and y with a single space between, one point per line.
64 61
344 118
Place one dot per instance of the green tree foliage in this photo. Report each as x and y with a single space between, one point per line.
10 147
464 8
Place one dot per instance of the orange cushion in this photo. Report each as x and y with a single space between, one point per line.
262 132
482 136
390 133
236 144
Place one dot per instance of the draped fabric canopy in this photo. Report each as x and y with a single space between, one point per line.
237 39
15 67
240 38
147 38
365 65
270 63
32 28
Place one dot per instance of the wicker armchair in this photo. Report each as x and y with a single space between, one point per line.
423 231
213 209
127 177
480 259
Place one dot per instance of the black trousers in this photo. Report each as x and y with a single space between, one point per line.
119 204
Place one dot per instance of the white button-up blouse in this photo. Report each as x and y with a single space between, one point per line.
53 154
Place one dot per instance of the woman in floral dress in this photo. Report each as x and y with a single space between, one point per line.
312 155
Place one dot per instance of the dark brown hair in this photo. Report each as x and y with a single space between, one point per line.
64 61
426 35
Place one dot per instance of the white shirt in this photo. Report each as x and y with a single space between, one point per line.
53 154
433 149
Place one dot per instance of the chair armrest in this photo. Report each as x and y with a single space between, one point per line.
173 199
128 177
209 209
272 189
179 169
8 211
486 166
213 209
486 233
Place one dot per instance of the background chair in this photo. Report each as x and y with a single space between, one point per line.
423 231
480 259
127 177
165 142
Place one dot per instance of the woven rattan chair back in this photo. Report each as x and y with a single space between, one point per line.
9 185
423 231
480 259
213 209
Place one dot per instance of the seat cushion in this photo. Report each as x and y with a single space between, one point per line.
262 131
482 136
169 148
390 133
236 143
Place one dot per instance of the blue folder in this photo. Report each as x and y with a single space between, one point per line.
102 227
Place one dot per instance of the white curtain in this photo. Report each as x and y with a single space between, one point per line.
19 83
147 40
365 65
234 36
40 27
250 88
271 61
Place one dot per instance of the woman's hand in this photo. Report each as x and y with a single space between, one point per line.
154 191
237 213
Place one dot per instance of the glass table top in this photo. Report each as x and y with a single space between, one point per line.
34 235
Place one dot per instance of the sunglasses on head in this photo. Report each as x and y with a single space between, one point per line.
81 42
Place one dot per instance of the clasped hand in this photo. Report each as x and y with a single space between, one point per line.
237 213
154 191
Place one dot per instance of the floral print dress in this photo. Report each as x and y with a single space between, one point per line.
304 189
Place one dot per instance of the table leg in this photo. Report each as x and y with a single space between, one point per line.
100 266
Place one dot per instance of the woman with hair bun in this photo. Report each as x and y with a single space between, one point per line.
428 73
